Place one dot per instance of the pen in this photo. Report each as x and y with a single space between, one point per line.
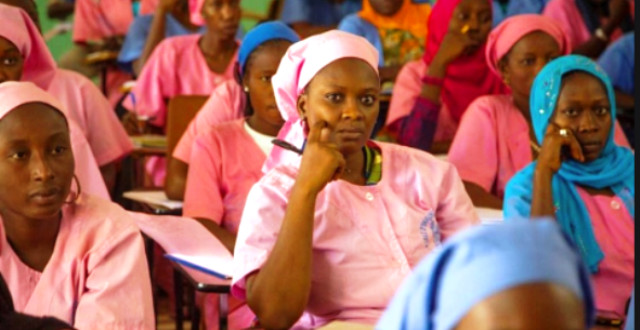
286 145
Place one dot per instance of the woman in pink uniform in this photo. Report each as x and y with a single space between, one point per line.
23 47
63 253
331 235
581 177
591 25
187 65
228 101
495 139
430 95
227 160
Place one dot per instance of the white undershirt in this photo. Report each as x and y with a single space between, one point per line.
262 140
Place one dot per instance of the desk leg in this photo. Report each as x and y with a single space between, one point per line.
193 310
223 310
177 289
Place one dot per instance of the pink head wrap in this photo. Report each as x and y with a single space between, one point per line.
39 66
195 9
15 93
302 61
510 31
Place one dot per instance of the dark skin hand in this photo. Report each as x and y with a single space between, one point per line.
618 10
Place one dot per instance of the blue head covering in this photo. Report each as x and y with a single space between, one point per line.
260 34
630 322
480 262
613 168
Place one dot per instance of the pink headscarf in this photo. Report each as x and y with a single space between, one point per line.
302 61
467 77
195 9
514 28
14 94
39 66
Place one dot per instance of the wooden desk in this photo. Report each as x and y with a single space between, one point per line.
201 282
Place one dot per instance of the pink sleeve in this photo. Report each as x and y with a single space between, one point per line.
154 85
618 136
202 197
117 292
99 19
87 171
455 210
473 151
107 137
226 103
565 13
405 91
261 220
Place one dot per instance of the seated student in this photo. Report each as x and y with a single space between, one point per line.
395 27
24 48
581 177
522 275
171 18
430 95
591 24
227 160
342 213
228 101
63 253
495 139
619 63
503 9
309 17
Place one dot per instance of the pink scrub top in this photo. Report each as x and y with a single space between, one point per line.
100 19
225 163
97 277
86 105
567 14
492 143
176 67
613 227
405 92
226 103
369 235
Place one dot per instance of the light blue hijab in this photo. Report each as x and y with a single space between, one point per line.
480 262
613 169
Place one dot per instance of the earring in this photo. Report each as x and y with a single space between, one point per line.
75 195
246 89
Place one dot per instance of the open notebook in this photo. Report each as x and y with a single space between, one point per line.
187 242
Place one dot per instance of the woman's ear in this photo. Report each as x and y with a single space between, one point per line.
302 105
504 70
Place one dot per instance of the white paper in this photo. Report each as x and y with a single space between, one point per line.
490 216
156 197
187 239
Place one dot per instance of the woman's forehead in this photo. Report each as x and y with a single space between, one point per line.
349 72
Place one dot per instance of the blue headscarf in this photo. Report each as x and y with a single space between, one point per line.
260 34
613 168
480 262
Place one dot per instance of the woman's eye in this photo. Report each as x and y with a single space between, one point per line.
9 61
571 112
463 16
368 100
528 61
18 155
334 97
265 78
602 110
58 150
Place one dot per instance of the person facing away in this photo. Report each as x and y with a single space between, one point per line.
581 177
340 218
520 276
63 253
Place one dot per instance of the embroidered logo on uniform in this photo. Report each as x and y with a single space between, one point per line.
429 230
